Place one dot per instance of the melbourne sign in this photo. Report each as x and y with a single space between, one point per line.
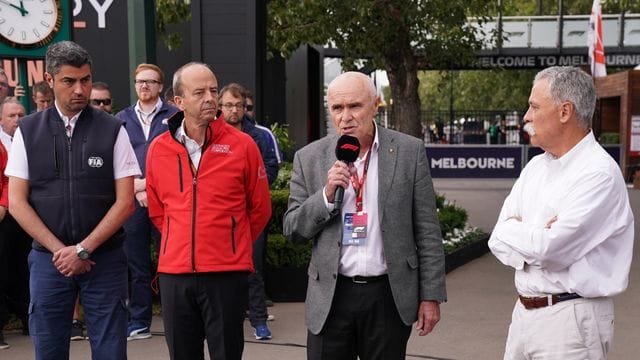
475 161
543 61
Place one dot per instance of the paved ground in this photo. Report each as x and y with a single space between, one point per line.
474 320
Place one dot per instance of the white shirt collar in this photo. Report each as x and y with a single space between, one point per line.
156 107
68 121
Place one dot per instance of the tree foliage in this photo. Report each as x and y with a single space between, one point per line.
494 89
170 12
399 36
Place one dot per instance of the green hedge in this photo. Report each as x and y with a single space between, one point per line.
283 253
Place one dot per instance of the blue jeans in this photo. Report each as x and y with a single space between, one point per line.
257 298
103 292
139 231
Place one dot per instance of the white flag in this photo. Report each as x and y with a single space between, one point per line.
596 47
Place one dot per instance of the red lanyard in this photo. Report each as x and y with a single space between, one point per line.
358 184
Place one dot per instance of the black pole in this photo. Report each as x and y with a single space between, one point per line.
450 106
500 40
560 24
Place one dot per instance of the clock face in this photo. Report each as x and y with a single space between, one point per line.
29 23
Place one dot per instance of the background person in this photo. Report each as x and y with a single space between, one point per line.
232 102
144 121
71 171
250 106
395 274
42 95
100 97
18 91
566 228
14 242
208 193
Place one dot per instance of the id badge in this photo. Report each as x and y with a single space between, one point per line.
355 229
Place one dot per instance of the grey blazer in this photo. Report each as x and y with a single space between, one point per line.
407 213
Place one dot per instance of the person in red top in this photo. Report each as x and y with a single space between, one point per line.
208 194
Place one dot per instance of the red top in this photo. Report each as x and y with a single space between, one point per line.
209 217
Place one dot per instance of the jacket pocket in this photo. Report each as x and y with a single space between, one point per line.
412 261
233 234
166 236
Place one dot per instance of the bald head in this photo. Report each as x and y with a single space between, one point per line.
353 104
353 79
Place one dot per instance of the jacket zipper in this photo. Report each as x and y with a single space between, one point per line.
193 221
233 234
180 172
166 238
71 207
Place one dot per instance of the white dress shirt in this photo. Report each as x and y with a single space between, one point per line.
124 159
145 118
588 249
193 148
367 259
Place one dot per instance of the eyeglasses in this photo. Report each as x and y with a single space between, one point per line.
230 106
146 82
98 102
249 107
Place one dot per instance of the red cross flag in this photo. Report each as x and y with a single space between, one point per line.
596 47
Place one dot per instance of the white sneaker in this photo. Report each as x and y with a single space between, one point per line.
139 334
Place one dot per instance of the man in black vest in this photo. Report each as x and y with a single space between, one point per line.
71 172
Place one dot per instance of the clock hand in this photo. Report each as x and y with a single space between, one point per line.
23 12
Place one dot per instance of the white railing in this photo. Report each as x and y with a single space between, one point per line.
542 31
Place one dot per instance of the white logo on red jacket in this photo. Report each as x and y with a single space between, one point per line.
221 148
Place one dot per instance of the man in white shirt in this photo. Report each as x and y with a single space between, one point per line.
10 111
71 170
377 263
15 244
144 121
566 228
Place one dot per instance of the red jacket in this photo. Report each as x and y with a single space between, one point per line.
209 217
4 182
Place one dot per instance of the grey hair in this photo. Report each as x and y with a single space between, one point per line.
567 83
9 100
177 76
66 53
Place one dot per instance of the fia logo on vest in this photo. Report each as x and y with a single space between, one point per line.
95 162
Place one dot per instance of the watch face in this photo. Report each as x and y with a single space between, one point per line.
29 23
83 255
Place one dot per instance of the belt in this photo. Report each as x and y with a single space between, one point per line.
364 279
543 301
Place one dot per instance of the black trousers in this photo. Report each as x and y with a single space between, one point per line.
203 306
15 245
363 321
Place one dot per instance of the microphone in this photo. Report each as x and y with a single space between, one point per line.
347 151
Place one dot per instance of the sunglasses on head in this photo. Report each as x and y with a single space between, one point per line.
98 102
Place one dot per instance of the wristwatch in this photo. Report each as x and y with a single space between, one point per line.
83 253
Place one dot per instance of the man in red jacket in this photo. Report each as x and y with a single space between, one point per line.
207 192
